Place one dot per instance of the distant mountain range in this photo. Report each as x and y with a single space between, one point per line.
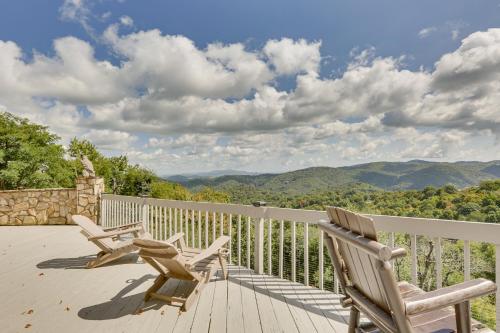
209 174
415 174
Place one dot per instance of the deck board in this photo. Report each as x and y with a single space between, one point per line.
110 298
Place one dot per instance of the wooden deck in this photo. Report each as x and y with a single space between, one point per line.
44 287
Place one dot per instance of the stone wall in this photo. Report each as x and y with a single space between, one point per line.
51 206
45 206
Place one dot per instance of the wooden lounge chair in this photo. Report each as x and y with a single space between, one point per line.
108 240
183 263
364 269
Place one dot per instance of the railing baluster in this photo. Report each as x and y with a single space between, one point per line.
199 229
156 223
169 222
185 225
466 260
248 241
320 259
122 215
413 244
221 224
230 232
129 215
103 213
206 229
192 229
175 220
214 226
270 248
239 240
281 249
306 254
294 277
163 222
102 218
439 263
181 222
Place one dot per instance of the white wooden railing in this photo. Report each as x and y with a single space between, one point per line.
277 241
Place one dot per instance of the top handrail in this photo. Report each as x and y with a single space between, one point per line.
430 227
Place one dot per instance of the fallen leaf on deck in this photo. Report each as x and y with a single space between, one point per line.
30 311
41 274
67 309
27 326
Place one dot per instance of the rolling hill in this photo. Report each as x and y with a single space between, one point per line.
415 174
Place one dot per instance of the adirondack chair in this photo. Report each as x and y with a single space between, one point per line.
172 259
364 270
109 240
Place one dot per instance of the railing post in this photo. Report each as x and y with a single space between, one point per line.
259 246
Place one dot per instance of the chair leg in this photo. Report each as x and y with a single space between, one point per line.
462 314
159 282
353 320
223 265
193 295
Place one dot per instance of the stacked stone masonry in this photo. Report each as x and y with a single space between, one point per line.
51 206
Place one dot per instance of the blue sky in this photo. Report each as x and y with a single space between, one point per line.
390 26
198 85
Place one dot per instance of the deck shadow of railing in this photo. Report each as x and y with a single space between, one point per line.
120 305
313 300
80 262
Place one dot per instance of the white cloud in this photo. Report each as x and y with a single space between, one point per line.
126 21
426 32
292 57
172 66
110 140
77 11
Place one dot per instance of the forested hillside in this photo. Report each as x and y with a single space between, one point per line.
383 175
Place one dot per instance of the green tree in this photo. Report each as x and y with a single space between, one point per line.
166 190
30 156
210 195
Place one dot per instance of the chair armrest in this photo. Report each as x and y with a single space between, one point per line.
129 225
448 296
111 234
175 238
211 250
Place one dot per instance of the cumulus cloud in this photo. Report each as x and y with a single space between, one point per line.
221 103
110 140
291 57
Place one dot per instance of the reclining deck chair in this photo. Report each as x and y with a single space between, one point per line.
108 240
364 270
183 263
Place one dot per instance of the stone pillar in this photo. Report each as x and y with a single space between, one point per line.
88 194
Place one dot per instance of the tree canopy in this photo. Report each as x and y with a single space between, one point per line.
30 156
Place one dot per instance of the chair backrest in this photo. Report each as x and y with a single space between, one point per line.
162 254
90 229
365 271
